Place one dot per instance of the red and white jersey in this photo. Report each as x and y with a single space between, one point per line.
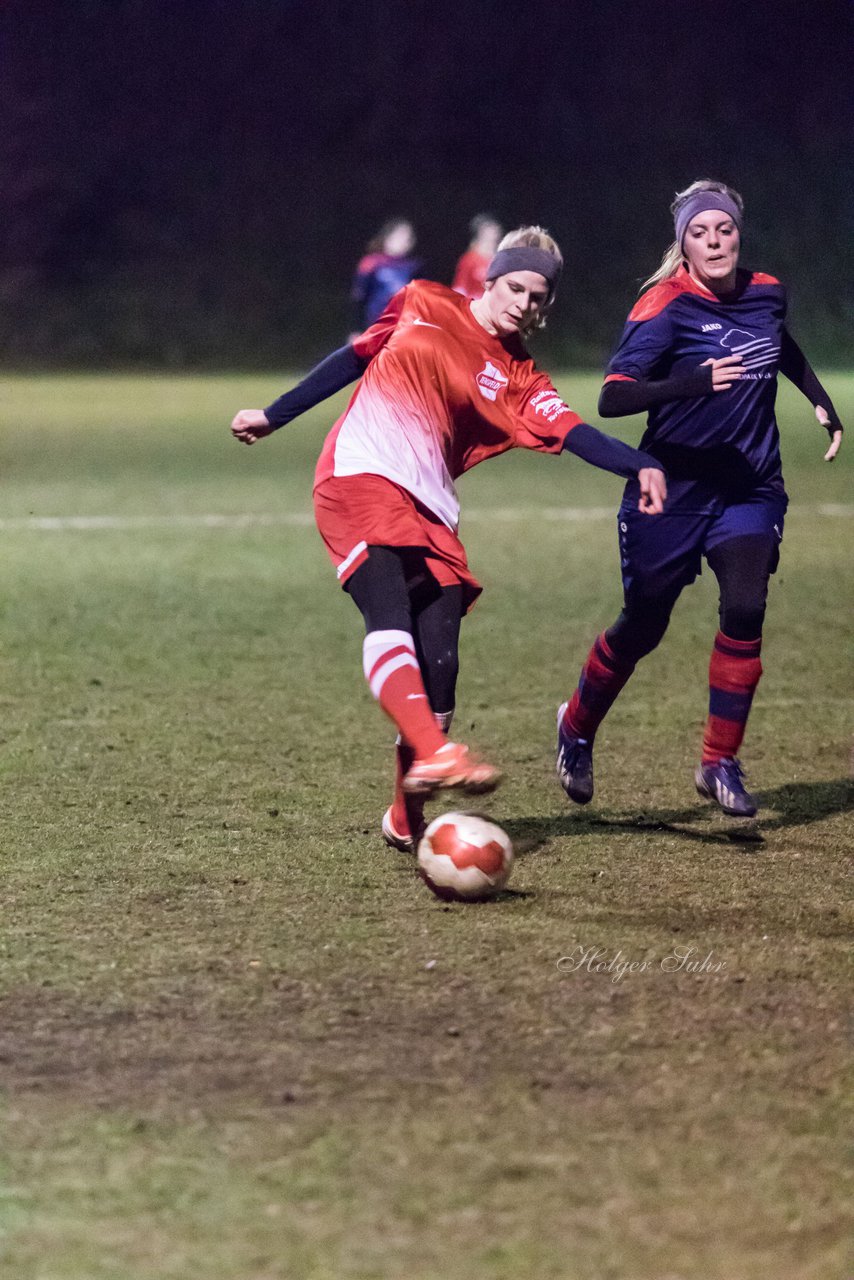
439 395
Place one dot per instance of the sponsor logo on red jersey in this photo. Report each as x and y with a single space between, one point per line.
490 381
549 404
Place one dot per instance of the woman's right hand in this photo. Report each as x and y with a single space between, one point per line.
250 425
725 372
653 491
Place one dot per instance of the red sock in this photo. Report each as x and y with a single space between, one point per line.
392 671
734 672
602 677
407 811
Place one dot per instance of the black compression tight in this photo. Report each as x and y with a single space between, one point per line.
640 627
395 591
742 567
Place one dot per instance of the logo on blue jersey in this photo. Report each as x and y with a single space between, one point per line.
707 328
754 351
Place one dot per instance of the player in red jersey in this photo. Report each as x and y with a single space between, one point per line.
701 350
444 383
470 272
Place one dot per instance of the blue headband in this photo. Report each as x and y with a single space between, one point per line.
699 203
524 257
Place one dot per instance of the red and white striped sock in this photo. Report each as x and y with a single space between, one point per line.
392 671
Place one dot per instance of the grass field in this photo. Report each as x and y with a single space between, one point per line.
239 1040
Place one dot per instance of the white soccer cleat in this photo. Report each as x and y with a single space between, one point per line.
395 839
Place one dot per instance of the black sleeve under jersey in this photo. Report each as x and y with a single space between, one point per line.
795 366
621 396
338 370
607 453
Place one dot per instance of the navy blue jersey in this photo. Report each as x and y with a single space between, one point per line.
724 446
379 276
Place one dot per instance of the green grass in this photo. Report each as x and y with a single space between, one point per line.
239 1040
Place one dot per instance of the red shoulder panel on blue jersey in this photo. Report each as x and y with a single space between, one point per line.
653 302
369 263
759 277
619 377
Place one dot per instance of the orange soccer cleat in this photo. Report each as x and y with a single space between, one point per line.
451 766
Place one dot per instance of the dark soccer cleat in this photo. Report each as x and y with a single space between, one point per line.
722 782
574 763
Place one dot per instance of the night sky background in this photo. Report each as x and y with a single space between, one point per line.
189 184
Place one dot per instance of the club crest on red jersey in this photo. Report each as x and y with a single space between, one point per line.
490 381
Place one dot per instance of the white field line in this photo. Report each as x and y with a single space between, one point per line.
303 519
63 523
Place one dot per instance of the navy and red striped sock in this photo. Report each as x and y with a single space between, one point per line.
602 677
734 671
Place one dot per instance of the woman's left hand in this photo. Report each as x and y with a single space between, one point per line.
653 491
835 436
250 425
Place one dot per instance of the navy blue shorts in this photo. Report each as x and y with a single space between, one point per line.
659 555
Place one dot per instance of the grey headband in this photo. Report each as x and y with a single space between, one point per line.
526 258
699 203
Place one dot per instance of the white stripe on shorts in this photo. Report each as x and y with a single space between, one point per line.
348 559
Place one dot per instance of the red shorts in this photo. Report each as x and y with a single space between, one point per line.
354 513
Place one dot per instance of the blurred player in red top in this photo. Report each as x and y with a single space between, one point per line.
470 274
444 383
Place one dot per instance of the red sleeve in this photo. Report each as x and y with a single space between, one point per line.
544 417
372 341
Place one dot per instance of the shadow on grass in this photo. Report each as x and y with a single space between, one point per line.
793 805
503 897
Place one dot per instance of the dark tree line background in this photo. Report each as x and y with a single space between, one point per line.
189 184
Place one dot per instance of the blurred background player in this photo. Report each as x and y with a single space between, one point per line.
388 265
445 383
470 272
701 351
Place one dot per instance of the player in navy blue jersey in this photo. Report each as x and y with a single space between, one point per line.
387 266
701 351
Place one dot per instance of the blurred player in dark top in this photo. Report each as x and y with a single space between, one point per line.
471 269
387 266
444 383
701 350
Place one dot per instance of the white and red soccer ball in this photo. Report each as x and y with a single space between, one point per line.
465 857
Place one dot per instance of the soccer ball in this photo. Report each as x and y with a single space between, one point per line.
465 857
